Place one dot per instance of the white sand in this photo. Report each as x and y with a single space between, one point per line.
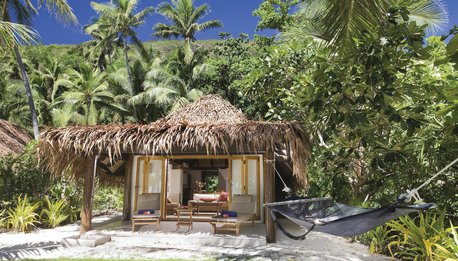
146 243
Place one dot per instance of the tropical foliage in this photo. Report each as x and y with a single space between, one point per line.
425 238
23 216
53 213
371 83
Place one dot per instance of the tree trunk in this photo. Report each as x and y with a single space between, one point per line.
269 194
129 77
28 91
86 210
127 61
128 189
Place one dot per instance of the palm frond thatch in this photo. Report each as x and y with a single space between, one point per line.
12 138
210 125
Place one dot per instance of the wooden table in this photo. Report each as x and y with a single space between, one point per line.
184 217
217 204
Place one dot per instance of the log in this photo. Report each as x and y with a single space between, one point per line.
86 209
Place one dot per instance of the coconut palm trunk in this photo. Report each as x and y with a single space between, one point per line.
126 56
129 77
28 91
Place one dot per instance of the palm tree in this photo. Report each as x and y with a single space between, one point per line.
143 112
23 11
88 94
118 18
62 117
101 47
172 83
339 22
184 17
45 82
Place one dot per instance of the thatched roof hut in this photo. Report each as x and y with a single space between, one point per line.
13 139
211 125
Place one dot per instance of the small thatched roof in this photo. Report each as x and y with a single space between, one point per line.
210 109
13 139
210 124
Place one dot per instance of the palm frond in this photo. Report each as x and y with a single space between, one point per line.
200 12
140 16
131 5
165 31
430 12
347 19
209 25
12 34
62 10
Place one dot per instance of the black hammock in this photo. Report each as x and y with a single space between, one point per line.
325 215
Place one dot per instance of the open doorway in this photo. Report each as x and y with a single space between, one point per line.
198 180
204 182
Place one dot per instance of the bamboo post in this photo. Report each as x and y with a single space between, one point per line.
269 195
127 189
86 210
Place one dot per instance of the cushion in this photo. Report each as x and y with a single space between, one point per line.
198 196
207 199
223 196
229 213
145 211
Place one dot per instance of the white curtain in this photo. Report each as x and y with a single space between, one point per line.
224 174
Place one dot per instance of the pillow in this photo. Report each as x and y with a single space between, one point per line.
207 199
146 211
223 196
229 213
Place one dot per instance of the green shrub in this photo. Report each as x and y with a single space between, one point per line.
420 238
23 217
108 198
2 218
379 239
54 213
449 249
62 188
21 175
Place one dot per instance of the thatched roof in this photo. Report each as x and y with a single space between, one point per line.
210 109
12 138
209 125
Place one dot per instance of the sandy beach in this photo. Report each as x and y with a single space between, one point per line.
166 243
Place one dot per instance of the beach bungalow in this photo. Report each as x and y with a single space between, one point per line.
204 150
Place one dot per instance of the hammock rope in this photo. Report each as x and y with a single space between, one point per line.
413 193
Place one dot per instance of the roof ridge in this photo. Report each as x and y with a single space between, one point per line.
208 109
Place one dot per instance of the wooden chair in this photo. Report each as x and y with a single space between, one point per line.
147 201
244 205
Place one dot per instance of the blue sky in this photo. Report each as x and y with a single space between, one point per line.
235 15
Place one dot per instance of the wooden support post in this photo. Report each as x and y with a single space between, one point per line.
269 172
86 210
128 189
